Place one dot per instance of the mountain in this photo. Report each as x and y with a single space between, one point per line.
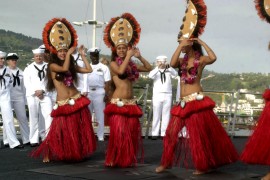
20 44
11 41
253 82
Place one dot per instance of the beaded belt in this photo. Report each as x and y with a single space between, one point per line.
191 97
70 100
121 102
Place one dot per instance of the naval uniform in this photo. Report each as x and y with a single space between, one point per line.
95 83
162 98
81 76
18 102
9 134
34 79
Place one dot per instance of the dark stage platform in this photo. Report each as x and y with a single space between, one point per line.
16 164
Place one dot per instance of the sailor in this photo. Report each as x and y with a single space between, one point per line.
46 53
9 134
97 84
17 95
82 77
38 99
162 95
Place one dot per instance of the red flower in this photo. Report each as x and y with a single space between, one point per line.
132 72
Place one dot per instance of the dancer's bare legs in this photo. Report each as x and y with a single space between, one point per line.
197 172
46 158
160 169
266 177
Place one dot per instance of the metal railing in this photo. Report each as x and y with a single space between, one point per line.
235 123
230 119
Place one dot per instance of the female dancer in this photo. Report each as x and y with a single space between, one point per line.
257 148
71 136
194 130
125 140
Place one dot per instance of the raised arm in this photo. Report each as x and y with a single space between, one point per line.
175 60
87 68
120 69
65 67
146 66
211 56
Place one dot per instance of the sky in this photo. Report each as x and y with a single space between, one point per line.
233 30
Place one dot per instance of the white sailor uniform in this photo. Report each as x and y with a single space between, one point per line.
18 102
95 83
34 79
81 76
162 98
9 134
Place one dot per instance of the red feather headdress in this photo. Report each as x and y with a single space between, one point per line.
58 34
122 30
194 21
263 9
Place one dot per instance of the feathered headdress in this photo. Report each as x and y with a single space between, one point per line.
194 20
122 30
263 9
58 34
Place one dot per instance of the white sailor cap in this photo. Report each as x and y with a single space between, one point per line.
42 47
12 56
38 51
3 54
161 58
94 50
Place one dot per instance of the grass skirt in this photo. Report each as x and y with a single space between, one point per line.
71 135
257 149
195 137
125 141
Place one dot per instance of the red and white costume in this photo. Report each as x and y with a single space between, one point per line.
205 141
71 136
257 148
125 143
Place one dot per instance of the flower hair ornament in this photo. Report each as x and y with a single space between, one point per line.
122 30
194 20
59 34
263 9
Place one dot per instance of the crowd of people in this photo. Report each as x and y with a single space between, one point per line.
62 90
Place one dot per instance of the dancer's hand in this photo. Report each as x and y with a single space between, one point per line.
81 50
199 41
130 52
71 50
137 53
186 42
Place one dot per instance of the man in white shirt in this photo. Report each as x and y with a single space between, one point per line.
162 95
37 97
17 95
9 134
97 84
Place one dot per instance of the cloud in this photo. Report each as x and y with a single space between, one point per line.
233 30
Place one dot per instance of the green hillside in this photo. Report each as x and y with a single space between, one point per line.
254 82
20 44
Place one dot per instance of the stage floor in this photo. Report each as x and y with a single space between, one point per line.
16 164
